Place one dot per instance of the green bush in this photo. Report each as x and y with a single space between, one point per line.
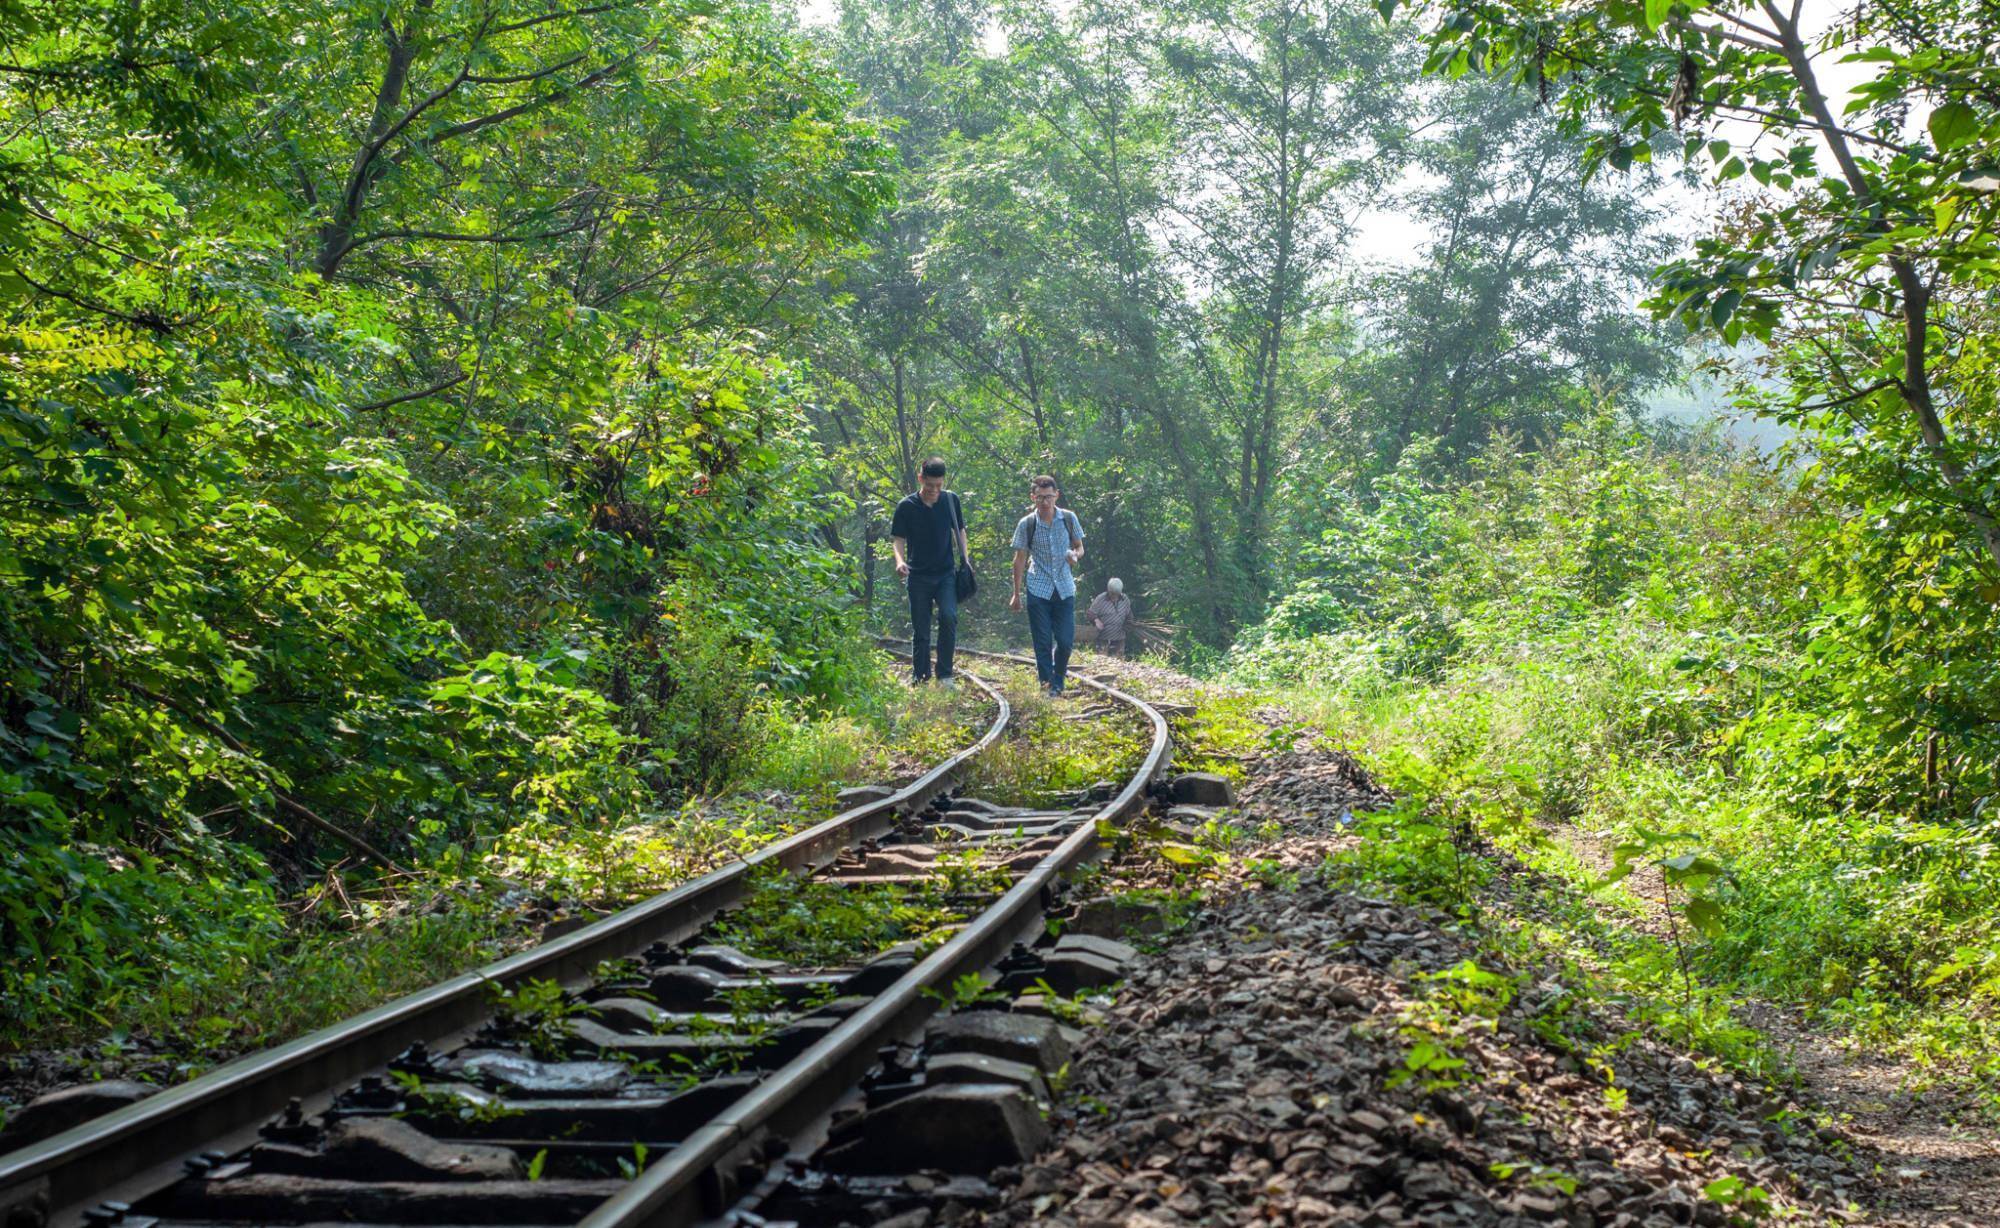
1636 655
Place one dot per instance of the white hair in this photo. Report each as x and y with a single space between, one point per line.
1114 584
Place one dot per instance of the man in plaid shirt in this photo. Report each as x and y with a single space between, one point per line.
1047 543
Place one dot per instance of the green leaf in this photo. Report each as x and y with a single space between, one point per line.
1705 915
1953 124
1724 306
1724 1189
1657 12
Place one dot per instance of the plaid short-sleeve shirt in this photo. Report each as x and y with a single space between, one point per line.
1048 547
1114 613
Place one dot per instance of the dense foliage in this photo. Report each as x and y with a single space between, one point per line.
1124 254
1620 642
1865 263
390 450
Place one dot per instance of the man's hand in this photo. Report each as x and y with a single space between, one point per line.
1097 623
1014 602
902 568
1075 556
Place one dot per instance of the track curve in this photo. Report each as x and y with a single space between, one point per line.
724 1130
115 1156
694 1183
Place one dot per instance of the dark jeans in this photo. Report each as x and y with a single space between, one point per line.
1052 624
926 588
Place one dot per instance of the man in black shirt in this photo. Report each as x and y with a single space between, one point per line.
922 532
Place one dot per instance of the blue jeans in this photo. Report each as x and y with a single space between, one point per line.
1052 624
926 588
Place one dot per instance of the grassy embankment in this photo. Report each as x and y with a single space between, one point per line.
339 952
1601 668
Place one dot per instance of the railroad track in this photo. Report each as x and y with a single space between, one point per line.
628 1073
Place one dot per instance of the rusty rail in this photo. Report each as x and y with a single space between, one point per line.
144 1142
693 1182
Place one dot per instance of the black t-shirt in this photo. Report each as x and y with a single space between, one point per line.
927 529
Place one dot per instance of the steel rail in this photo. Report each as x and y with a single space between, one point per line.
691 1183
150 1137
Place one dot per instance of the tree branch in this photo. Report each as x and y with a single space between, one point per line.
1856 395
470 126
418 395
156 324
529 23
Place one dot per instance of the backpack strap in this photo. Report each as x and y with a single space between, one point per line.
958 522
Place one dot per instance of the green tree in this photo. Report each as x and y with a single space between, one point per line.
1869 221
1521 298
381 389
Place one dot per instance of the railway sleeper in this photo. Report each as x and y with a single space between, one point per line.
753 1052
279 1198
463 1112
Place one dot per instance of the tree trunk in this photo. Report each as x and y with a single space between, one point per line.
1916 378
338 234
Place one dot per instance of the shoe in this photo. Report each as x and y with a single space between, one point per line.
949 681
920 680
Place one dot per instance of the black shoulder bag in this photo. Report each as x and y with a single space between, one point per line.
962 579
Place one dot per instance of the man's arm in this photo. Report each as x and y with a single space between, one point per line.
1076 552
901 548
1020 573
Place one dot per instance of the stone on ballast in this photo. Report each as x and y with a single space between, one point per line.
980 805
49 1115
1070 972
684 987
862 795
518 1075
979 1068
732 961
1031 1039
959 1128
385 1149
1202 789
1108 917
628 1014
1104 948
